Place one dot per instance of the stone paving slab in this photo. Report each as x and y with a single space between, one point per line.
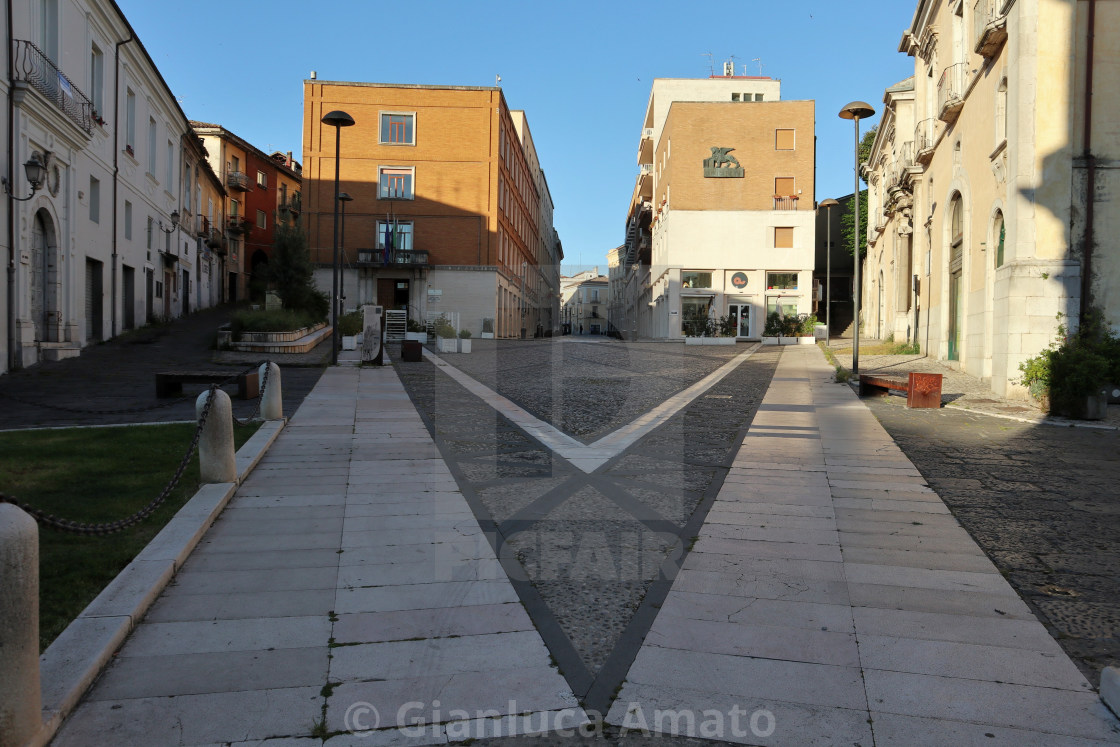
929 637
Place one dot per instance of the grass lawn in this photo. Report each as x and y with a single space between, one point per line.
94 475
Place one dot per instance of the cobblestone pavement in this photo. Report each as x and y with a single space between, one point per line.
1041 502
120 374
591 555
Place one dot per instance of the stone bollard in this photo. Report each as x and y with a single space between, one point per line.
217 461
20 713
272 404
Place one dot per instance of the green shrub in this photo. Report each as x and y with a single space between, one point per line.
415 326
773 325
807 325
444 329
351 324
276 320
1074 365
465 334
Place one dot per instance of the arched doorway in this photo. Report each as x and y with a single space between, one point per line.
43 290
956 255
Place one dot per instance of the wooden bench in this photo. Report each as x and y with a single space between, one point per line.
170 383
922 389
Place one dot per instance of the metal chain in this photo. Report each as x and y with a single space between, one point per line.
105 528
260 397
127 410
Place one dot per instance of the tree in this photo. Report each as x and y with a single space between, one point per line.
865 149
846 224
291 274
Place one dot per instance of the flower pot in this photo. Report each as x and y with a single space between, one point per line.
487 335
447 344
464 344
770 340
420 337
806 340
787 340
349 342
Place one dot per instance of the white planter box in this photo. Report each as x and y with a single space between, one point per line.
709 341
464 344
806 340
487 335
787 340
416 336
349 342
447 344
770 340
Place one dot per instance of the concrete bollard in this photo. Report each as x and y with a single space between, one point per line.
20 711
272 403
217 460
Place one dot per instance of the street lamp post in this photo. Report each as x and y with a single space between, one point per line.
343 198
828 205
337 120
855 111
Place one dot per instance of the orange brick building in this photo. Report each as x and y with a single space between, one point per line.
445 169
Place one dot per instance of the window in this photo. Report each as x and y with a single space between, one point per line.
262 180
151 146
397 129
94 200
734 97
159 289
784 186
235 164
400 232
956 222
234 208
170 164
783 237
128 220
187 204
595 295
150 226
758 97
1001 112
130 122
691 279
999 233
96 78
262 219
48 28
785 139
783 306
781 281
396 182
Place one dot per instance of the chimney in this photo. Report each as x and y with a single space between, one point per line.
289 164
312 75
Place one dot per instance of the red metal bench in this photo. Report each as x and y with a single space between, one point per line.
922 389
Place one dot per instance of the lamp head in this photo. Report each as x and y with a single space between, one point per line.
829 203
344 197
337 118
174 217
36 170
857 110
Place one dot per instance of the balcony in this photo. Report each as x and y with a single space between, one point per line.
645 147
645 181
924 140
237 225
785 202
397 258
293 204
31 66
950 92
990 26
238 181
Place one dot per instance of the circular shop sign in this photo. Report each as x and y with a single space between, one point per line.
739 280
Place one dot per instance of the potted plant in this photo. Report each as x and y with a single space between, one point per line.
445 336
771 333
464 341
806 333
487 329
349 326
416 332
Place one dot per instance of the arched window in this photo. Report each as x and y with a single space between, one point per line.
1001 112
998 236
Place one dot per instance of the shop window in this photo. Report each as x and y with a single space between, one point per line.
781 281
784 306
397 129
696 279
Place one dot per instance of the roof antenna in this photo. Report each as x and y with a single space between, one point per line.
759 61
711 68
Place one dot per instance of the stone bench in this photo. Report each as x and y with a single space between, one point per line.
170 383
922 389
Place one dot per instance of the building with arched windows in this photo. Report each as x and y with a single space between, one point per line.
992 183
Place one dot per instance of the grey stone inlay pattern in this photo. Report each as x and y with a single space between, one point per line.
803 603
348 568
585 550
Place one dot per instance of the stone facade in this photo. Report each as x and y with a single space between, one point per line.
985 199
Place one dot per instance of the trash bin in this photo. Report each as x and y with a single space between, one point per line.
412 351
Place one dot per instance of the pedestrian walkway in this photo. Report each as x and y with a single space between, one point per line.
346 588
832 599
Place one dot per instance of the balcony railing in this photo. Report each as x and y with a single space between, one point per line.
237 180
906 155
924 138
30 64
397 258
293 205
950 92
785 203
990 27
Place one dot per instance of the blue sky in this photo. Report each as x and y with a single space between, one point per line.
580 70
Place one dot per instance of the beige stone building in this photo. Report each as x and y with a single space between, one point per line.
584 303
981 231
721 219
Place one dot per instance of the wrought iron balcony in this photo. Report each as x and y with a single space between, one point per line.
237 180
782 202
293 205
950 92
990 26
31 65
924 139
397 258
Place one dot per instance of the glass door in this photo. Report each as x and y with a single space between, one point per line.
740 316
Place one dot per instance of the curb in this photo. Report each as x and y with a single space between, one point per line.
76 658
1110 688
